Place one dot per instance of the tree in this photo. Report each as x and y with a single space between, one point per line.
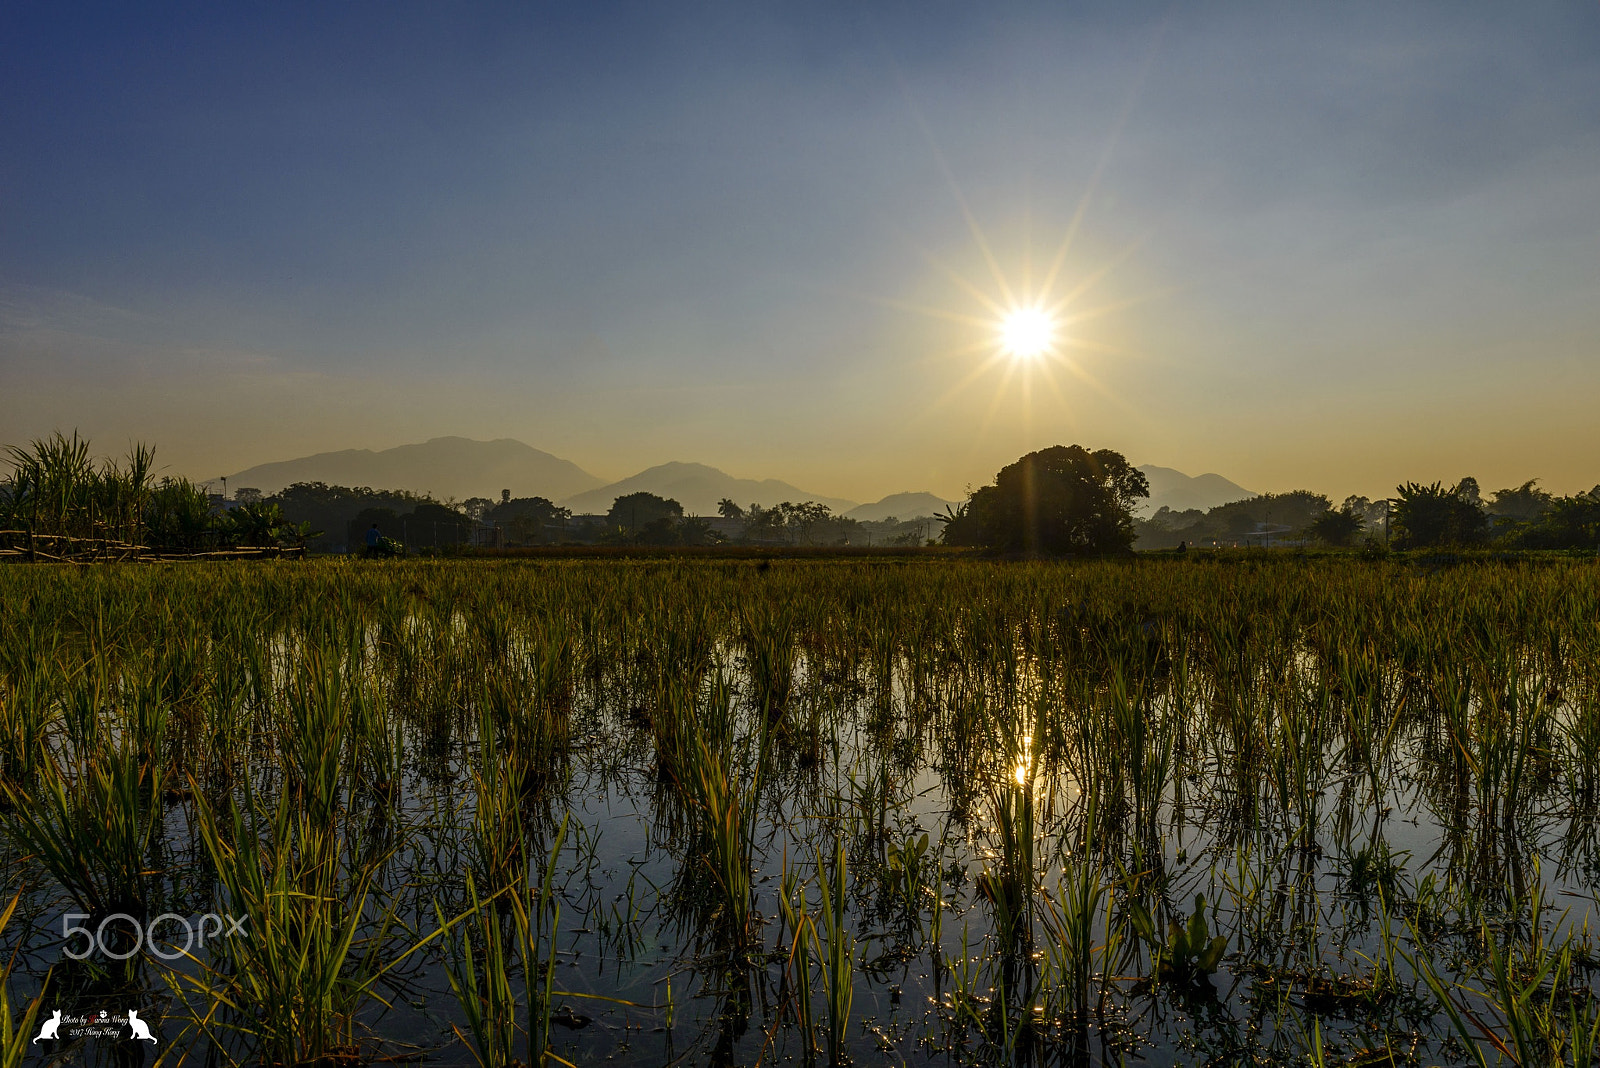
728 510
256 523
1432 515
475 508
1372 513
1338 528
432 525
1566 523
697 531
1525 502
635 511
530 520
762 525
331 508
803 520
1064 499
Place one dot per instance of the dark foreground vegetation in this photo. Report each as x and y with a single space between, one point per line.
1214 809
58 502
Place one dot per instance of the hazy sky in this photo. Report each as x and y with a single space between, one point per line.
1332 246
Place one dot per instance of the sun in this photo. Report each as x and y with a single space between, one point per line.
1027 333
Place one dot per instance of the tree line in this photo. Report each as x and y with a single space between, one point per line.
1418 516
60 501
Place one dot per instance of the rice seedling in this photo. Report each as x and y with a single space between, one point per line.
1070 921
801 934
484 995
293 985
536 911
836 952
92 832
14 1031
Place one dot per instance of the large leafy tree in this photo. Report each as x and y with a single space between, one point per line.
1433 515
1060 500
1524 502
635 511
530 520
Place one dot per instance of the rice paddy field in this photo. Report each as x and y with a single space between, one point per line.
1242 809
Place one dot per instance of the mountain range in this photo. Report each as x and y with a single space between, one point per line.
458 468
443 467
899 506
1180 492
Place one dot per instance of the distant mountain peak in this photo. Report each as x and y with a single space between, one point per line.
1171 488
447 466
919 505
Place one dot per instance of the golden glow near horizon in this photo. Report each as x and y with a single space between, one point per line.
1027 333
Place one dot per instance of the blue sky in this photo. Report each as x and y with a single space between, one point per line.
1333 246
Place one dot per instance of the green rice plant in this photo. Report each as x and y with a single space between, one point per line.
485 997
24 720
15 1044
312 732
1009 881
1142 732
965 971
836 951
536 913
84 708
769 637
147 722
725 808
907 867
93 832
1263 708
498 832
292 987
1539 1013
802 935
1069 921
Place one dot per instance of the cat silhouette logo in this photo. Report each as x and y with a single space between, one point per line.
51 1026
141 1029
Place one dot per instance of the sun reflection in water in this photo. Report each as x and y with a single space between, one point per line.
1023 772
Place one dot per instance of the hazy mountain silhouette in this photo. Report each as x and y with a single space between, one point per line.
460 468
444 467
698 488
901 506
1178 491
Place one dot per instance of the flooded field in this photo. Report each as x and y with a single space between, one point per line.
1213 810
